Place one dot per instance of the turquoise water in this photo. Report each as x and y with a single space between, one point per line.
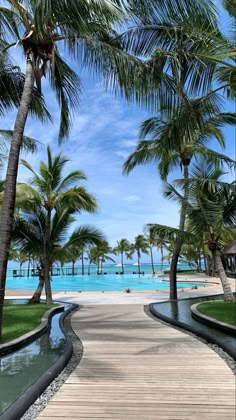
99 283
109 269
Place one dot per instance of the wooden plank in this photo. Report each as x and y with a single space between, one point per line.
136 368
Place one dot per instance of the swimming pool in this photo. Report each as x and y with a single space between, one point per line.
99 283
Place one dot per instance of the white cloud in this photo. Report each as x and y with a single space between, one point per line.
132 198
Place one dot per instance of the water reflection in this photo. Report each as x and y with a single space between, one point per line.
180 311
19 370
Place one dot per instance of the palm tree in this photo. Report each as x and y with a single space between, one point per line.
85 29
19 256
210 210
29 235
11 87
121 249
141 246
100 254
176 43
50 191
151 239
158 241
176 139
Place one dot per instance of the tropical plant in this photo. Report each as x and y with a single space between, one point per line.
39 28
50 191
29 236
100 254
11 87
140 246
210 207
19 256
122 248
151 239
176 140
175 40
158 241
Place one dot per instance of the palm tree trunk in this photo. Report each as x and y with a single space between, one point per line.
9 196
62 269
82 262
138 262
21 268
28 269
162 258
228 294
38 292
151 254
47 267
178 246
73 268
122 262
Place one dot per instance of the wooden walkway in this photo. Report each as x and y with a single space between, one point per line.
136 368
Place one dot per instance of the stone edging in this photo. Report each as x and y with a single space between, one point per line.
19 407
211 321
19 342
207 336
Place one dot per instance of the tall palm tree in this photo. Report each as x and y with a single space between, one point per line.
85 30
121 249
49 190
140 246
211 211
175 140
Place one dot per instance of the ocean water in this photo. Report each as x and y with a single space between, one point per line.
107 268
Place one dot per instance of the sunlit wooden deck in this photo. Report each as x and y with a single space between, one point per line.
136 368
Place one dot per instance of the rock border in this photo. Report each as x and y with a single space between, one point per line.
21 341
205 319
21 405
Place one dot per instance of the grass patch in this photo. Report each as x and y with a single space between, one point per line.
18 319
221 311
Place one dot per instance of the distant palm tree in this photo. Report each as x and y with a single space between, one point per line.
151 239
19 256
122 247
50 191
141 246
100 254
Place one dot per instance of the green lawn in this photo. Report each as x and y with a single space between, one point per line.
221 311
22 318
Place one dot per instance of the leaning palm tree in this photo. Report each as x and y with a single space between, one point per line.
175 140
121 249
50 191
211 211
41 28
140 246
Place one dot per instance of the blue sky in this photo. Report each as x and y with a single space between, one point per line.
104 133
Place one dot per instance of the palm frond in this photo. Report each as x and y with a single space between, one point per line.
67 86
28 143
